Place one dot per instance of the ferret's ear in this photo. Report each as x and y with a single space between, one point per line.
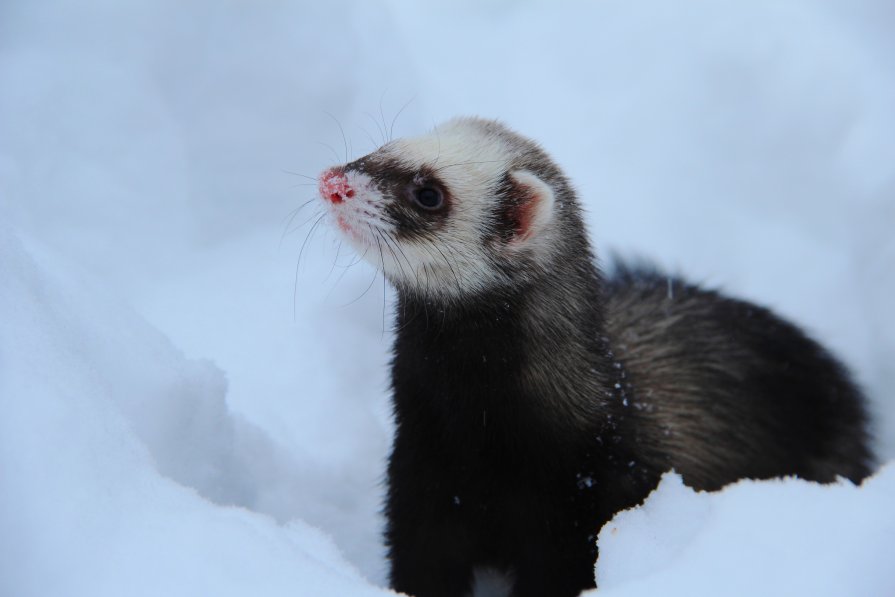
531 207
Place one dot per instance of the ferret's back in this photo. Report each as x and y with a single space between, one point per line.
722 389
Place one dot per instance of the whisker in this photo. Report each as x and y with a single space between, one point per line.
345 271
382 335
378 126
381 257
303 224
438 153
332 149
291 218
392 252
291 215
370 137
298 265
426 271
336 260
364 293
397 246
471 163
357 259
308 236
375 272
426 303
314 178
398 262
447 261
391 129
342 131
381 114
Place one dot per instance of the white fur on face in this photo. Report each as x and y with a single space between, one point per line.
453 260
361 220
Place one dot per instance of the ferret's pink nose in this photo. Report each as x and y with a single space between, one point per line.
334 186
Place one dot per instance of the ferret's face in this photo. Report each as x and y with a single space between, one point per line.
454 212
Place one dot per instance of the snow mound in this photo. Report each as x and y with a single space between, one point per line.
780 537
119 458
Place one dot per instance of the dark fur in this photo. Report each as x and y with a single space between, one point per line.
528 416
736 391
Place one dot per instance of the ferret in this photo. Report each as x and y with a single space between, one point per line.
533 397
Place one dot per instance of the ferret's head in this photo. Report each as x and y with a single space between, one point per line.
467 208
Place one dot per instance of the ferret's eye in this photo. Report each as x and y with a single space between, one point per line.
428 197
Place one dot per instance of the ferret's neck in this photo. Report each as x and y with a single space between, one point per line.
543 342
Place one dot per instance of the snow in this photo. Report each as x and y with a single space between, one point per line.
120 460
783 537
185 409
